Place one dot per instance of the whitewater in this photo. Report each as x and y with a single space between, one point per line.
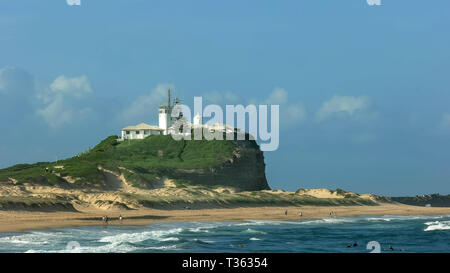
336 235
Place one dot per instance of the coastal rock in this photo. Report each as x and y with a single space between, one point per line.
245 171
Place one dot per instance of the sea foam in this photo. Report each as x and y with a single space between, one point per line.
437 225
136 237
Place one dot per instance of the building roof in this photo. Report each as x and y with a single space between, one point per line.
219 126
142 126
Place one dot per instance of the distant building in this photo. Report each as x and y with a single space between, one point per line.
221 128
165 115
172 125
198 121
140 131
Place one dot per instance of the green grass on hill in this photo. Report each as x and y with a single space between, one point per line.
144 160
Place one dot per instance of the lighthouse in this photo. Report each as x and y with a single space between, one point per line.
165 114
198 120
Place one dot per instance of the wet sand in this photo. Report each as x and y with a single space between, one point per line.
17 221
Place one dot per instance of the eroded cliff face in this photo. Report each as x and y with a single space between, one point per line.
149 164
245 171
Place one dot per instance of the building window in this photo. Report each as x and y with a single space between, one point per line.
137 132
128 132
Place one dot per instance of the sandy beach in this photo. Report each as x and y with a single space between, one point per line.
17 221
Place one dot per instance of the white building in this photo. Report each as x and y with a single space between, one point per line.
198 121
221 127
172 125
143 130
140 131
165 115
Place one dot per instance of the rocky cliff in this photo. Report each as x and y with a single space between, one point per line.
434 200
245 170
149 164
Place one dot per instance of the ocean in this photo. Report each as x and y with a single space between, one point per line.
371 233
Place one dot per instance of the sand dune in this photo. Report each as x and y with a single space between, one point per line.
33 207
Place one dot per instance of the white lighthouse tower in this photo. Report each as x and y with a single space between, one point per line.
198 120
165 115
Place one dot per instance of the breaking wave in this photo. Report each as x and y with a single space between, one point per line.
158 235
437 225
310 235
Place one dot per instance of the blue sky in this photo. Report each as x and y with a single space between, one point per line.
364 91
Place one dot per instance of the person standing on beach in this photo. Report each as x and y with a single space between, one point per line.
300 214
285 212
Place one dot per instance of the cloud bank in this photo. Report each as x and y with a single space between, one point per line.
145 107
343 106
76 86
64 101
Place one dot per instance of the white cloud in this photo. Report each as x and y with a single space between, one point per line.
291 113
59 112
294 113
145 107
278 96
76 86
63 101
343 106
